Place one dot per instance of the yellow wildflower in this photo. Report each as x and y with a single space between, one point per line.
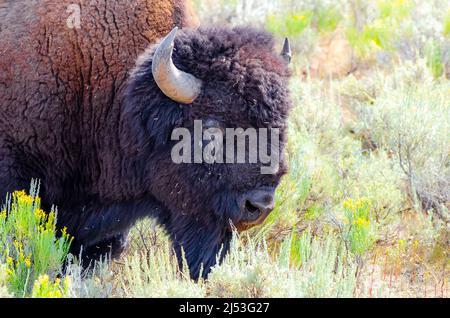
19 194
362 222
362 203
28 262
39 213
43 280
23 198
348 204
50 224
44 289
66 282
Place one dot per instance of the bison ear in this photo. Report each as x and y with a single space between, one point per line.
286 53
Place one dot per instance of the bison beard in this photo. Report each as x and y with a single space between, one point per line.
98 137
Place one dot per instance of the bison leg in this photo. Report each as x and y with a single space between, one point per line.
113 246
199 242
99 230
9 180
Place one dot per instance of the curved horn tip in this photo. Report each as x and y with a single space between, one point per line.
168 41
179 86
286 53
172 33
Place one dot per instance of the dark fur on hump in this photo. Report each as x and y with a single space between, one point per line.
245 85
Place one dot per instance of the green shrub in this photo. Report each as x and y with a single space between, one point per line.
44 288
4 293
327 19
433 57
101 280
155 273
446 24
394 10
293 23
413 122
250 271
289 24
374 37
29 244
358 225
380 32
376 177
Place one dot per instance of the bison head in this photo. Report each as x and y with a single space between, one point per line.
197 84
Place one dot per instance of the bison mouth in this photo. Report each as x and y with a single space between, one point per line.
245 225
255 208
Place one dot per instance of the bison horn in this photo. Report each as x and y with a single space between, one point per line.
286 52
179 86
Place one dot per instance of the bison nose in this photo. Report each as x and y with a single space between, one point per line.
260 201
257 206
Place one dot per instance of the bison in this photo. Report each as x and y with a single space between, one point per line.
90 112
